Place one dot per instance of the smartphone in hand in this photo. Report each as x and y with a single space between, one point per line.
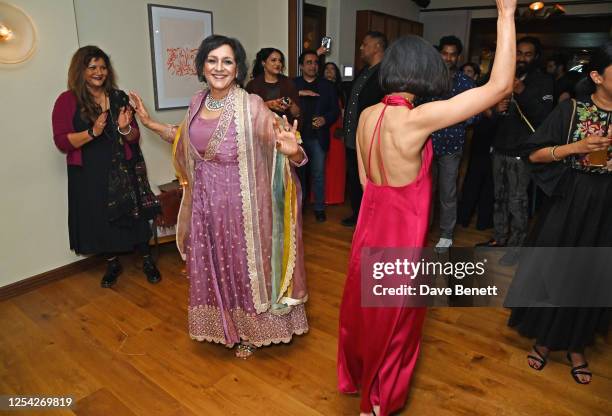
326 42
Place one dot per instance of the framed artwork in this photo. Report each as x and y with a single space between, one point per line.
175 35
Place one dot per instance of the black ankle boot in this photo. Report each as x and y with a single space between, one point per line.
150 270
113 270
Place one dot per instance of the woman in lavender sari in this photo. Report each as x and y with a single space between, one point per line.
239 226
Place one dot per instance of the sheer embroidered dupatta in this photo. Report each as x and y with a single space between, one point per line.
271 203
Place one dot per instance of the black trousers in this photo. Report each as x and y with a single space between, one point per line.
352 181
510 180
477 192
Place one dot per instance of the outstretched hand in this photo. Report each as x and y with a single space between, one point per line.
138 105
286 136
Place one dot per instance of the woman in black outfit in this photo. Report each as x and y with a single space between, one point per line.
110 202
578 214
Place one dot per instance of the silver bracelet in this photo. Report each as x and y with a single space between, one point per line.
552 154
122 133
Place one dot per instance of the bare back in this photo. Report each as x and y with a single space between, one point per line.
399 149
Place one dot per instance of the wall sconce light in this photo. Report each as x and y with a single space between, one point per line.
536 5
537 10
17 35
6 34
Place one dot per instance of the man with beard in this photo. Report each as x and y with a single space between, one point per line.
448 145
319 110
519 116
366 91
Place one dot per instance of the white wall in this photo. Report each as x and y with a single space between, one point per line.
332 26
438 24
273 24
34 203
34 216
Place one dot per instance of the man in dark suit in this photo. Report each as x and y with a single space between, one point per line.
319 110
366 92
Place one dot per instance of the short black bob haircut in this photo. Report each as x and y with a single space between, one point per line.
213 42
451 41
413 65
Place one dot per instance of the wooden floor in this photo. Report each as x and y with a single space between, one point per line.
126 351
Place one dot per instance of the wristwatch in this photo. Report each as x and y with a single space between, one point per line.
91 133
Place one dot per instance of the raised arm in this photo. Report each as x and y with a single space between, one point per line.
437 115
165 131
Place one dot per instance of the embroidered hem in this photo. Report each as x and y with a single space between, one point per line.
206 324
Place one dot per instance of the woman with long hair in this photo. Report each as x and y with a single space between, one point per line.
335 164
269 82
110 202
378 346
239 226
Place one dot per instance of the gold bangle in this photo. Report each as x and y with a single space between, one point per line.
552 154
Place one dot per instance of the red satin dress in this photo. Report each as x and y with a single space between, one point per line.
378 347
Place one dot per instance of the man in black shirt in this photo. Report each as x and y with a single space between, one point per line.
366 92
319 110
518 116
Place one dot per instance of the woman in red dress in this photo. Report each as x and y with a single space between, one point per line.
378 347
335 165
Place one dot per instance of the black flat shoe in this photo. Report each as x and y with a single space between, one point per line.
113 270
349 221
150 270
320 216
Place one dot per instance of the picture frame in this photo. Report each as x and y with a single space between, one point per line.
175 35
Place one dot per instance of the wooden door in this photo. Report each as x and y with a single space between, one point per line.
313 26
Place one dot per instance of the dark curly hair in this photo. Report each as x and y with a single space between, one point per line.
261 56
76 80
451 41
216 41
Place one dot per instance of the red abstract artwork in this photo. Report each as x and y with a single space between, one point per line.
180 61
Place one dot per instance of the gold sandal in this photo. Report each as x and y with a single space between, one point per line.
244 350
